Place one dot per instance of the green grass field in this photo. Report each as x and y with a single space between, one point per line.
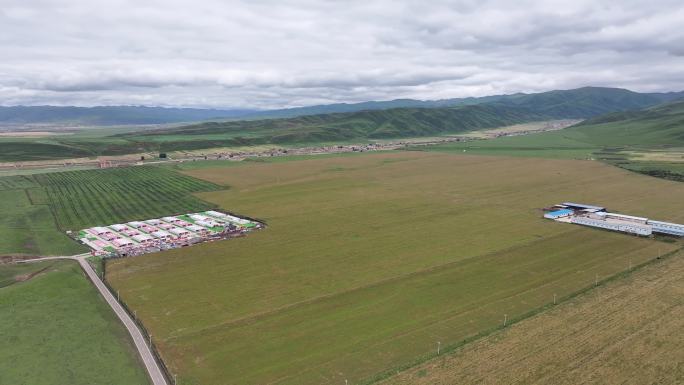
26 224
37 209
368 261
56 330
99 197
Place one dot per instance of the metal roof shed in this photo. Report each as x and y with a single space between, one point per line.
583 206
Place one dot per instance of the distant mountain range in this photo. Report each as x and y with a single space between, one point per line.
613 117
578 103
110 115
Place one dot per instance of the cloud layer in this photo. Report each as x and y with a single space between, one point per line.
269 54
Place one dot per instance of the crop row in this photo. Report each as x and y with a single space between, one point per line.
16 182
85 198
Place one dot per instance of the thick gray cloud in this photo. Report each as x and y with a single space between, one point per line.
267 54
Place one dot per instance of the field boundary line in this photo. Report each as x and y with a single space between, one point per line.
452 348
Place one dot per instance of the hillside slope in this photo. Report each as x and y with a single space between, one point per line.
399 122
657 126
411 122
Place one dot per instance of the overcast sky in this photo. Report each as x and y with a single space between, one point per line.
269 54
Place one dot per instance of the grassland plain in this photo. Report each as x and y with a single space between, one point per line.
368 261
37 209
26 224
628 332
56 330
99 197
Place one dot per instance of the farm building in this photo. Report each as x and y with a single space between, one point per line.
558 214
161 234
622 217
118 227
216 214
173 220
667 228
581 206
596 216
180 232
207 223
140 237
199 217
100 230
166 226
625 227
122 242
197 229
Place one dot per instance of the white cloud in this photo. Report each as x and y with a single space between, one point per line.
212 53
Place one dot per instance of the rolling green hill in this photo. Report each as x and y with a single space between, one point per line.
411 122
356 126
649 141
393 123
661 126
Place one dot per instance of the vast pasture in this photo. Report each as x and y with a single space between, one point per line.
368 261
79 199
37 209
26 224
56 330
628 332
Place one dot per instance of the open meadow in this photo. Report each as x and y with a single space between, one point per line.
368 261
628 332
26 224
55 330
38 209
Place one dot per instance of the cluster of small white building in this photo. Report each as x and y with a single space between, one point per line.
140 237
596 216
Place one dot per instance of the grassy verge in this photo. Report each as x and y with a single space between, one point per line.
56 330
